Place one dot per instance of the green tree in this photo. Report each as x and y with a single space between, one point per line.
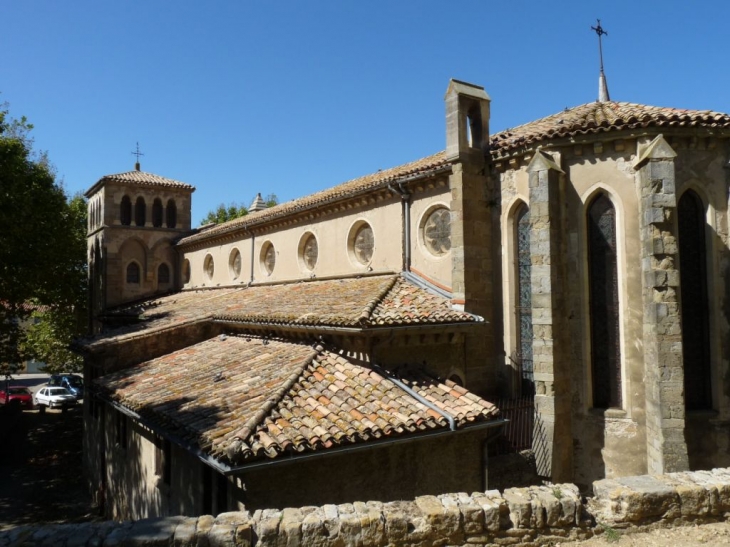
271 200
224 213
39 240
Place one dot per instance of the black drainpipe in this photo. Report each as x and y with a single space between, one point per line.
406 222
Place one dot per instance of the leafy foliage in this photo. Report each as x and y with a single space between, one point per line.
42 245
224 213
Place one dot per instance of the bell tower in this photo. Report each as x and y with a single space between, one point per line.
135 218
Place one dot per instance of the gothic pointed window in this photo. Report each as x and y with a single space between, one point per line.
523 300
133 273
604 304
695 309
140 211
157 213
171 214
125 211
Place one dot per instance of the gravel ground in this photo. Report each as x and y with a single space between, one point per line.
683 536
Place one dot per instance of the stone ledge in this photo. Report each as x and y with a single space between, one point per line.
536 515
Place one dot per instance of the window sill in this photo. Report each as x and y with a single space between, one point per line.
609 413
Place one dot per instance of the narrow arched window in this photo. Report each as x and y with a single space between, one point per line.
133 273
163 274
523 297
125 211
157 213
604 305
171 219
695 308
140 211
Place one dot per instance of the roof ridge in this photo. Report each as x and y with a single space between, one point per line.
367 312
250 426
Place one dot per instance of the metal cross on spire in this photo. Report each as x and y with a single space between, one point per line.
602 86
138 154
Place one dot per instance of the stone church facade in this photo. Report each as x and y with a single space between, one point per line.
583 257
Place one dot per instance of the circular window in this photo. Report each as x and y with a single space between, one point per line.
437 231
309 251
363 243
234 263
186 271
209 266
268 257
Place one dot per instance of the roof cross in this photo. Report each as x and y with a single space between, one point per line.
138 154
602 86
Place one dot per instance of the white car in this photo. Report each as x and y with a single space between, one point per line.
54 397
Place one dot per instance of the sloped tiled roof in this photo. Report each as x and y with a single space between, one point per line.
145 179
365 302
600 117
243 398
381 179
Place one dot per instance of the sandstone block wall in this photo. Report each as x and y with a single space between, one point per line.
538 515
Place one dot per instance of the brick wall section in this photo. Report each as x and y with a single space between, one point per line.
534 515
551 444
664 379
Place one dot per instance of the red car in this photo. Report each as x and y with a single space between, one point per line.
17 395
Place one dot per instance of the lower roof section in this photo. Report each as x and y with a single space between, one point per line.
240 399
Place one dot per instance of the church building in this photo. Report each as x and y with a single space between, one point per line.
345 346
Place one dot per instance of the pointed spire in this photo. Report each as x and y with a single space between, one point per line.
603 95
258 204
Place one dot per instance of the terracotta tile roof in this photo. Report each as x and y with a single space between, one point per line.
353 302
145 179
381 179
361 303
243 398
600 117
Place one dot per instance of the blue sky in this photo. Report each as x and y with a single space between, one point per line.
291 97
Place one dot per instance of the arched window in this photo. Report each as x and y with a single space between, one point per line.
140 211
133 273
695 309
523 297
171 219
125 211
163 274
604 306
157 213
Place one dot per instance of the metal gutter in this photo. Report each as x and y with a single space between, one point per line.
417 396
377 330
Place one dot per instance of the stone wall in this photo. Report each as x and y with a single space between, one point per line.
537 515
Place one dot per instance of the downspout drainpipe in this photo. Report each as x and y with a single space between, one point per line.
406 213
418 397
253 240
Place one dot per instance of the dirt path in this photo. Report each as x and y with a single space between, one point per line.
684 536
40 468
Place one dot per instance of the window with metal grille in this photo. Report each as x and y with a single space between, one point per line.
133 273
604 307
140 211
695 308
125 211
523 277
157 213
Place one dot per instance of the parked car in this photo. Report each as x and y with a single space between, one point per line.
17 395
71 382
54 397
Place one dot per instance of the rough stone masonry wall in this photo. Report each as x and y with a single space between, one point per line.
519 516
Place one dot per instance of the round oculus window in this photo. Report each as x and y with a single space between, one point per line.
234 263
363 244
268 258
310 252
437 231
209 266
